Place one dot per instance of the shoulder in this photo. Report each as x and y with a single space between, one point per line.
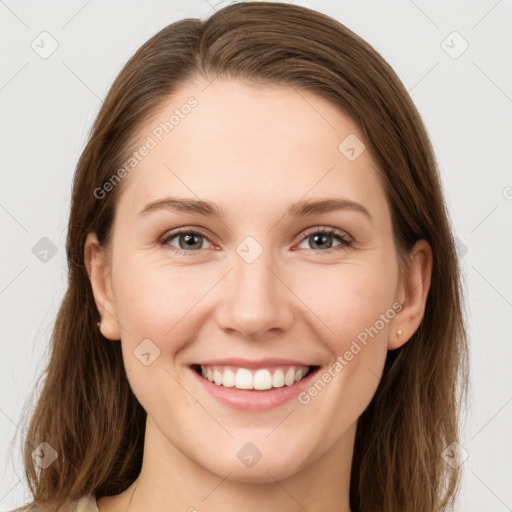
83 504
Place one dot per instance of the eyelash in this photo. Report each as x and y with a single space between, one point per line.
334 233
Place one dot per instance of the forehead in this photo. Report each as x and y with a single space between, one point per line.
245 146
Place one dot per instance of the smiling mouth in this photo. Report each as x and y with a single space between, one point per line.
262 379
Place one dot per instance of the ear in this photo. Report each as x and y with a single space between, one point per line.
99 274
412 294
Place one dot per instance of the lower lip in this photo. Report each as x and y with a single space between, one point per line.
251 399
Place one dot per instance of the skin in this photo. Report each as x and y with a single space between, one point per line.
296 300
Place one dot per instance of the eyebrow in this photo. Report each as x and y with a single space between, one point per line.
210 209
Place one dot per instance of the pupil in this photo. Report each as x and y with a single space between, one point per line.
322 237
189 240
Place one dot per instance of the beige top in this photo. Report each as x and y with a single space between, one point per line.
84 504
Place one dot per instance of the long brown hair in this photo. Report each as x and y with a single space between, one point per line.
87 411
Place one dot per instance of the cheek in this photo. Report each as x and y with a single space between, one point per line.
157 298
353 312
348 300
154 297
157 303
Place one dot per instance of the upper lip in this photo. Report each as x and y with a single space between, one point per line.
246 363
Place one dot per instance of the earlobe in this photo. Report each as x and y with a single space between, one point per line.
414 293
99 276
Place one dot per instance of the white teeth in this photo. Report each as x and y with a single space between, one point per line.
289 378
243 379
228 379
278 379
260 379
217 377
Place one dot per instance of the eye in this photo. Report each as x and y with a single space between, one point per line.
320 238
188 240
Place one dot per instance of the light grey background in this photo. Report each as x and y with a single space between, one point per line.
47 108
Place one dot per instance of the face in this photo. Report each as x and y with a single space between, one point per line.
255 292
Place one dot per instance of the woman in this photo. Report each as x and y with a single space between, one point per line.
210 353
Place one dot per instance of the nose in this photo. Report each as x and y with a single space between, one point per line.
255 299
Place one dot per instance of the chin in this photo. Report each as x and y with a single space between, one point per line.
249 465
261 473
